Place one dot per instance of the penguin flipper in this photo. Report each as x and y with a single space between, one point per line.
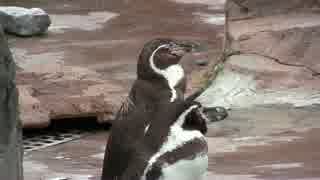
115 152
126 129
216 113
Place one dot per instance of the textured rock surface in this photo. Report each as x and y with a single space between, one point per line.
24 22
10 126
70 92
31 110
87 62
274 55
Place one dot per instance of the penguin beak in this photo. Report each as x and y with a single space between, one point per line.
177 50
180 48
215 113
188 46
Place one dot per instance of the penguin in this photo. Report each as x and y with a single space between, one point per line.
174 147
159 78
159 74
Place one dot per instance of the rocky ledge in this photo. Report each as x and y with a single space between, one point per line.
271 55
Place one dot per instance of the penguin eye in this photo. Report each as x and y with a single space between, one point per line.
172 44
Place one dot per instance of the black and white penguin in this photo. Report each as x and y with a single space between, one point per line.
159 74
159 78
174 148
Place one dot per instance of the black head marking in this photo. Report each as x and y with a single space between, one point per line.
168 52
196 119
189 113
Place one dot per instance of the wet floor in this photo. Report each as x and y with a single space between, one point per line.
287 154
292 159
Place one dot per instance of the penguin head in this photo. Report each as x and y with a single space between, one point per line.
186 114
160 54
195 119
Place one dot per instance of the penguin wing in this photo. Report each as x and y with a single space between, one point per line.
116 152
126 129
115 156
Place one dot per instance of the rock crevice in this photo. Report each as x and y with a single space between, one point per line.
313 72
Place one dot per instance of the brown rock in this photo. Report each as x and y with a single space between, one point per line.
34 115
274 54
86 69
54 96
288 32
239 9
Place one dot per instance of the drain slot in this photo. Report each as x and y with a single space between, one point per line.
60 131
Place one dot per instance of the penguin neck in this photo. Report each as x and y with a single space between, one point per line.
172 74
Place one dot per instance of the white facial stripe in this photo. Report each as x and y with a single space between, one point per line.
173 74
187 169
177 137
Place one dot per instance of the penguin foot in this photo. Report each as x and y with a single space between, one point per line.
216 113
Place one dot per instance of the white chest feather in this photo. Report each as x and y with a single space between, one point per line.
177 138
173 74
193 169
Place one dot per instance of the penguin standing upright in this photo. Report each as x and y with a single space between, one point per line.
174 148
159 78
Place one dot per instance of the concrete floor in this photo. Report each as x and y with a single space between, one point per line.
239 149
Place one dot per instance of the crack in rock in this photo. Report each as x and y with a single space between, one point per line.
313 72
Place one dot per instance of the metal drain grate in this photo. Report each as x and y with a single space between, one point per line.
60 131
45 139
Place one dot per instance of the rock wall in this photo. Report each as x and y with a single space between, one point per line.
10 125
271 55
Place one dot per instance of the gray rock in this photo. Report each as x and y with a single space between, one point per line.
24 22
10 124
